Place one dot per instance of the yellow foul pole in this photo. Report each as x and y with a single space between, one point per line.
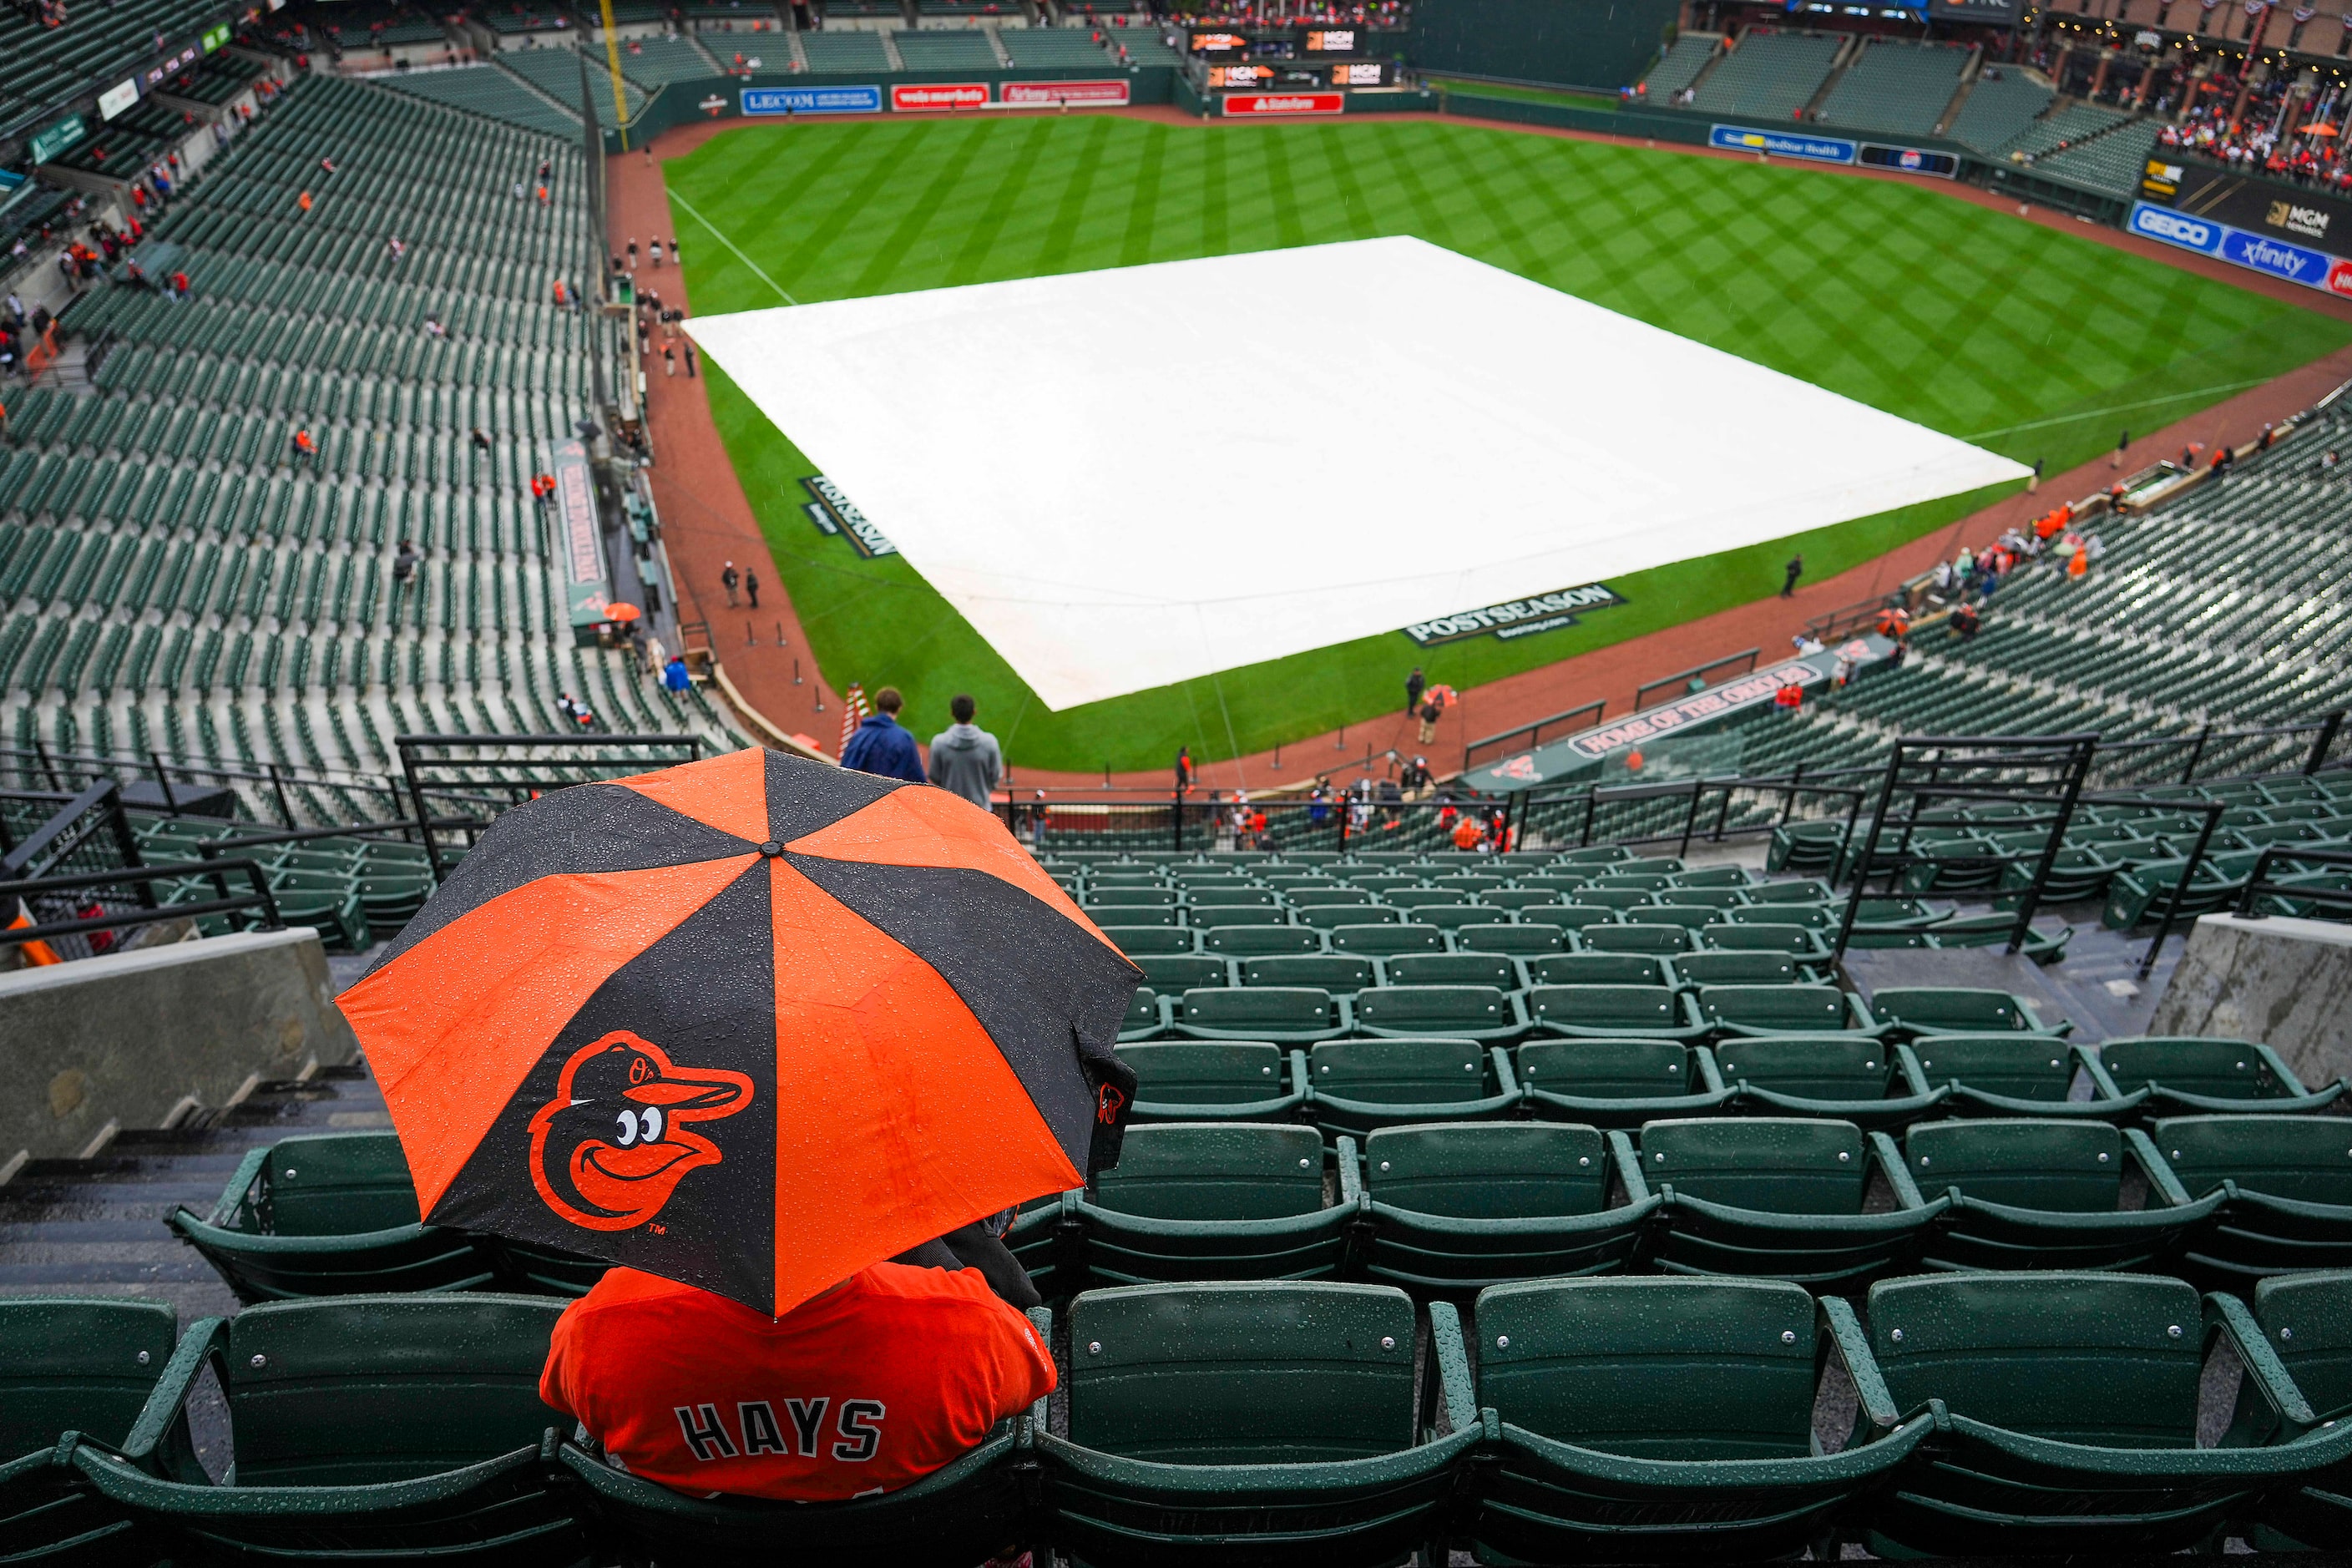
613 61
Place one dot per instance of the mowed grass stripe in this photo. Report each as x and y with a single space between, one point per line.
1936 310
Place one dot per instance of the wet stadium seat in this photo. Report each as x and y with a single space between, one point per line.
1848 1078
2298 1376
1617 1083
1785 1010
1285 1015
1456 1012
2038 1193
2288 1186
1213 1200
1911 1011
1340 973
1457 1207
1358 1086
1615 1012
1215 1080
1598 969
1522 938
2014 1075
2189 1074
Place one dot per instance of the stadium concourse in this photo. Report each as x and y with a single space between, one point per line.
1848 1138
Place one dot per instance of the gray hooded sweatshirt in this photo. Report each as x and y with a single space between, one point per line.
965 761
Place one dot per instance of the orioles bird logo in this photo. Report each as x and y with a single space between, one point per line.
611 1146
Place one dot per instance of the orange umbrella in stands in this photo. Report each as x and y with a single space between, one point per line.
622 612
751 1024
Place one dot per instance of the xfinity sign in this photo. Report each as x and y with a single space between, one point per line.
2276 258
2177 228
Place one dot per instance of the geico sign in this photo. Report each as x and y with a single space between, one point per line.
2173 226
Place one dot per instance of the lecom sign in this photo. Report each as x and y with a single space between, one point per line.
955 95
1266 105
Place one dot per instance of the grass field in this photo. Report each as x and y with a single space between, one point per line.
2037 345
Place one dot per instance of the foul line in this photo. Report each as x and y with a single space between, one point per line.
731 246
2095 412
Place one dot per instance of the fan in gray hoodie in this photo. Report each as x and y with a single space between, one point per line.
964 757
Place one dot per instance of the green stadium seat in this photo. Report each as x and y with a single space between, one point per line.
1340 973
1780 1198
1518 898
2037 1193
1285 1015
1911 1011
1457 1207
326 1214
1137 940
1636 937
1597 969
1359 1087
1456 1012
1650 1420
1213 1200
1568 917
1327 897
1523 938
2014 1075
1453 917
1182 971
1387 941
1237 914
1111 896
1423 898
1848 1078
1215 1080
1693 918
1785 1010
2072 1418
69 1364
1615 1012
1620 898
1689 970
1617 1083
1466 968
1260 942
1130 916
1148 1015
1796 891
2189 1073
1331 917
1800 942
2287 1181
2296 1347
1252 1421
1202 897
410 1423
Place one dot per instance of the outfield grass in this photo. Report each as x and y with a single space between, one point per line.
2034 344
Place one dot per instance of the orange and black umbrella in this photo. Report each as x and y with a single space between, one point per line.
751 1024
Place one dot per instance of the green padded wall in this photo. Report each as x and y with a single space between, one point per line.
1571 43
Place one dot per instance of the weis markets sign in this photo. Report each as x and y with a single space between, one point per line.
1515 617
862 533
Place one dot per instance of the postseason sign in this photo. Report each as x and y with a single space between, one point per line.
862 533
1516 618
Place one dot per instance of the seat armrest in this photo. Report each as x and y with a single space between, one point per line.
240 1184
1914 1076
1351 1172
2102 1085
1506 1081
1629 1167
2226 1317
1298 1072
1890 1160
1710 1071
1042 1319
205 1340
2160 1175
1838 1329
1451 1360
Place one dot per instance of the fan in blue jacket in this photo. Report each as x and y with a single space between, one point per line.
881 746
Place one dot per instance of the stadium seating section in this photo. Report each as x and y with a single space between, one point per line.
1901 89
1687 57
99 43
1999 108
845 51
498 94
170 582
1769 77
962 49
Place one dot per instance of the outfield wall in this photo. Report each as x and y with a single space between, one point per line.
726 97
1569 43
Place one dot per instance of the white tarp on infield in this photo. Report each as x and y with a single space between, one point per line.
1129 477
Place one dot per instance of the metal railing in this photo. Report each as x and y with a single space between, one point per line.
486 773
79 933
2262 885
1745 661
1533 732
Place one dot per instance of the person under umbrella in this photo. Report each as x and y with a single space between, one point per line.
753 1028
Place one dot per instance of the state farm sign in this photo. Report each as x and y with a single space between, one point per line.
1265 105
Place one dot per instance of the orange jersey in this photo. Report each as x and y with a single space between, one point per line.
866 1389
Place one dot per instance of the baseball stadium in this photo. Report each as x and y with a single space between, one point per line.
1598 748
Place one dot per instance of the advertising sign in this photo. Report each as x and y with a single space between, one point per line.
821 515
118 97
811 100
1218 43
1333 40
159 74
940 95
1268 105
2260 253
2256 206
1911 160
862 533
1239 76
1359 73
65 134
1976 13
2339 277
216 37
1517 617
1020 92
2175 228
587 588
1783 143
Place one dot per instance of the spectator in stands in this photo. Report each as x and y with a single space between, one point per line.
1414 685
403 565
304 448
1793 569
866 1387
965 759
1966 621
1790 696
481 442
1468 835
752 586
881 746
674 674
731 580
1416 777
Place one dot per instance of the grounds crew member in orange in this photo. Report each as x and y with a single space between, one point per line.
865 1387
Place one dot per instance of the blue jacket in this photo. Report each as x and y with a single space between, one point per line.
880 746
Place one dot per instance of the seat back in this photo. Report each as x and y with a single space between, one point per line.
2307 1320
2074 1167
1774 1006
1690 917
1780 1164
1605 1006
1433 1009
1654 1368
1242 1374
1133 939
384 1388
1143 1009
1618 897
1813 1067
1399 1072
1610 1069
1215 1170
1275 1007
1387 941
1736 969
338 1184
2307 1159
1949 1006
2021 1068
1180 971
1206 1072
1597 969
1254 942
83 1365
1453 969
1138 896
1331 917
1489 1170
1633 935
2111 1360
1530 937
1759 936
2218 1068
1332 972
1569 916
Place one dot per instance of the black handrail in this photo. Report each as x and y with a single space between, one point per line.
1745 659
1599 710
2259 883
145 878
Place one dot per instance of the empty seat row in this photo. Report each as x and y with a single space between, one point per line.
1602 1420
